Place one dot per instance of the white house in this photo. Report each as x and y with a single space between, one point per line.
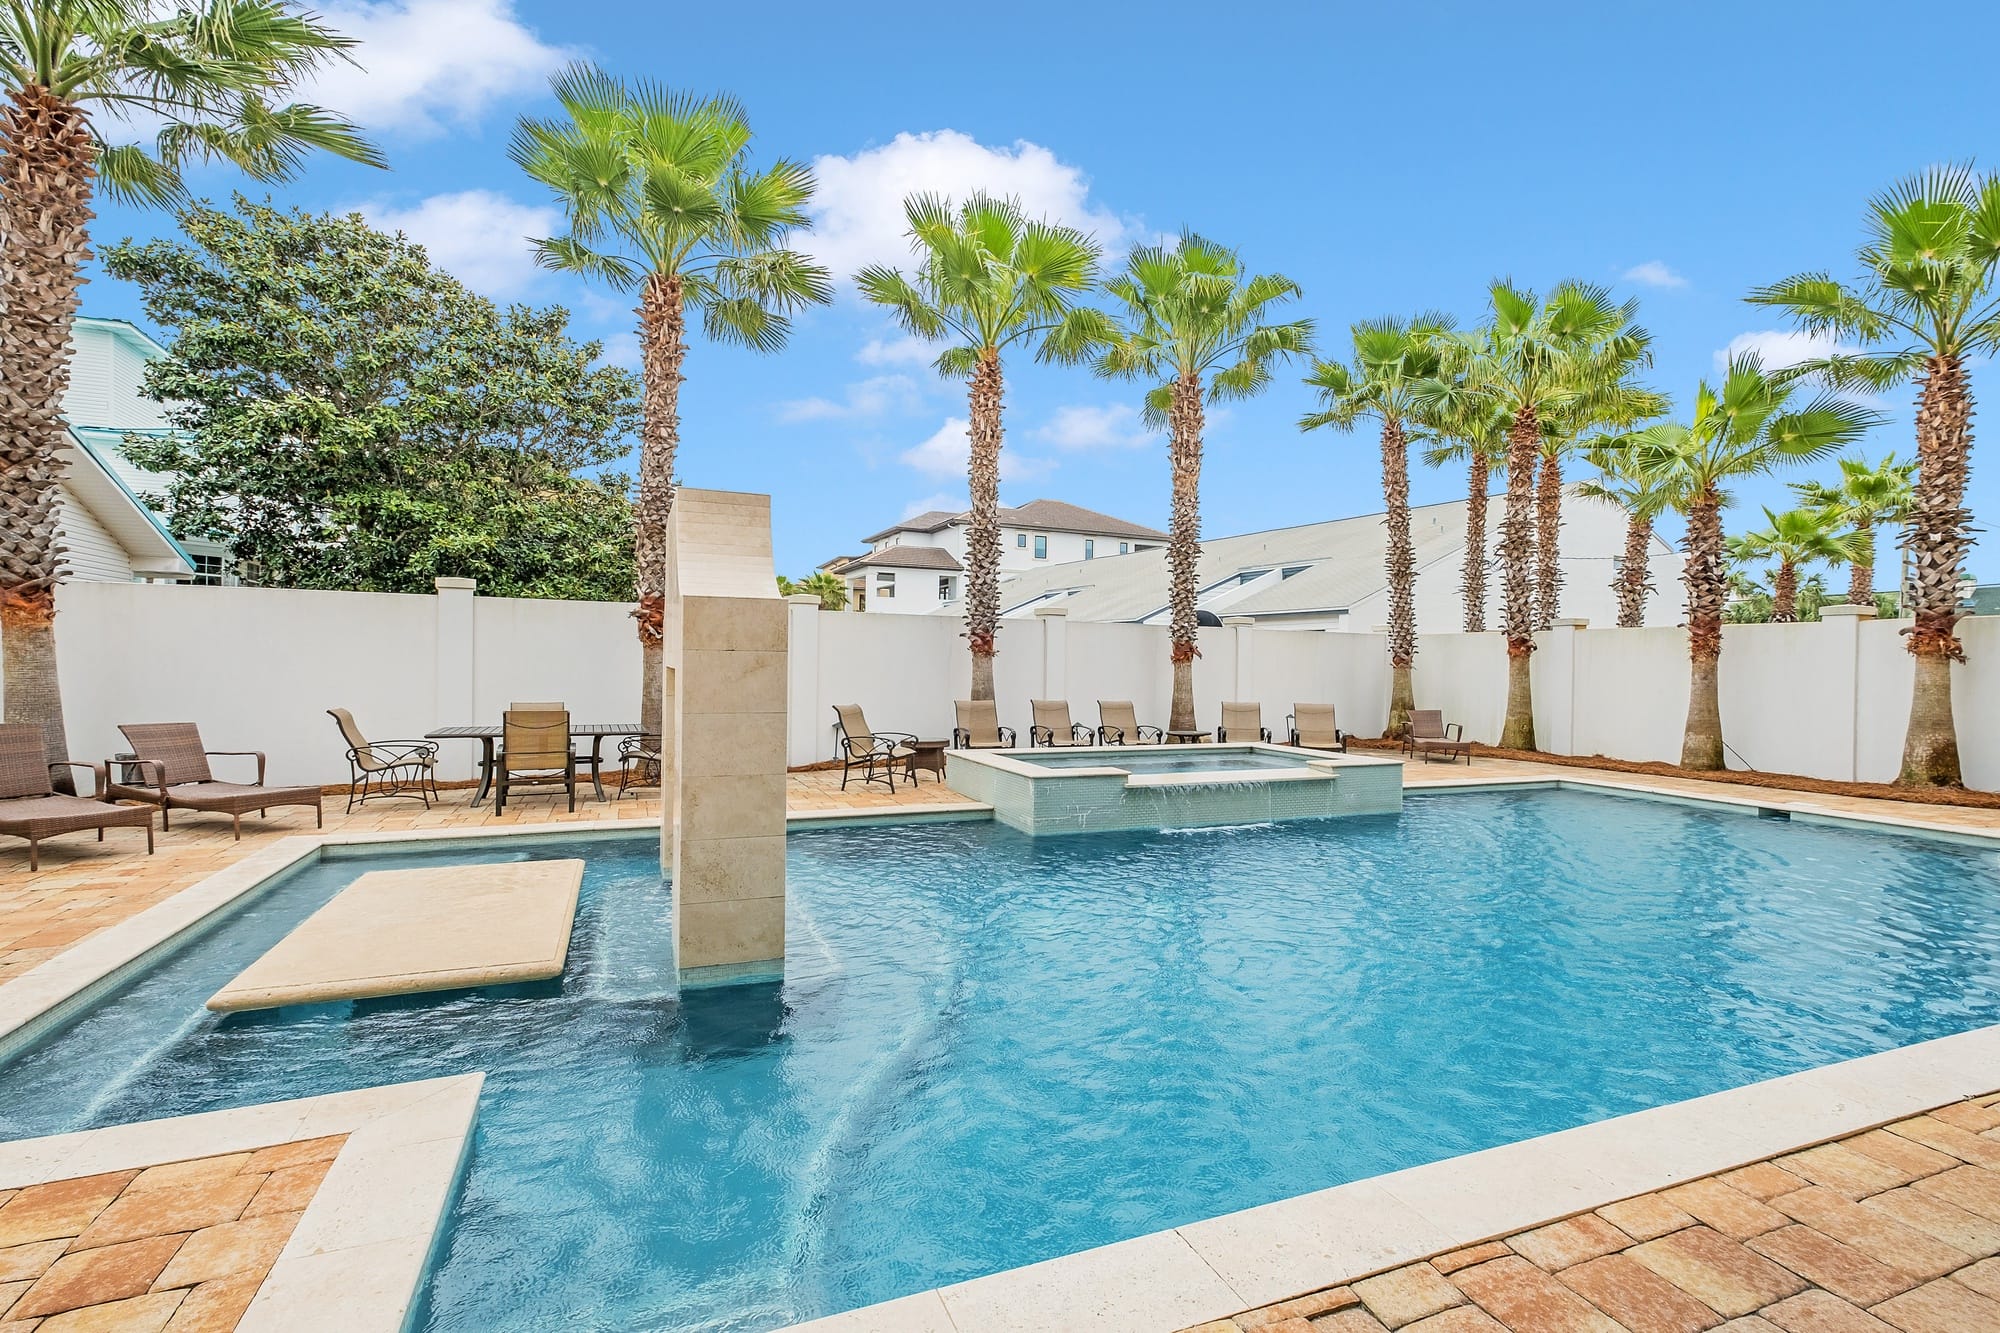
103 405
1331 575
107 534
919 564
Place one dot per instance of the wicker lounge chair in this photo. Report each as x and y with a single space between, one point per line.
31 808
1053 727
1312 726
1118 724
876 753
1244 721
535 751
979 727
383 770
1427 733
173 772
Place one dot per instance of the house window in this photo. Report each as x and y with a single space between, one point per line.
885 586
1021 539
1089 549
1124 548
944 587
210 571
1041 547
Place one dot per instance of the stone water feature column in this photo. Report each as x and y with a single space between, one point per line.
722 832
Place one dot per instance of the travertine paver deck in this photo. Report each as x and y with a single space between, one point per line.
1890 1231
180 1248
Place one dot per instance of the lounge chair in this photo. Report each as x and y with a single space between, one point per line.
1246 721
1119 725
32 808
380 770
173 771
1053 727
1312 727
979 727
1427 733
535 751
639 760
876 753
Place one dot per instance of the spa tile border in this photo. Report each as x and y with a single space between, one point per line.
357 1260
1213 1269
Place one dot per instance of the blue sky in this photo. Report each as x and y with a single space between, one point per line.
1389 158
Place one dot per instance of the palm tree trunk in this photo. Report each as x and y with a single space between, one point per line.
1517 556
1938 538
982 536
663 347
1705 576
1548 543
1473 581
1402 571
1861 573
1785 594
1635 579
1184 545
47 168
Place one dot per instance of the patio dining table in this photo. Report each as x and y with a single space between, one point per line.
489 735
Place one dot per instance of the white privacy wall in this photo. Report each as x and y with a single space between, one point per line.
257 668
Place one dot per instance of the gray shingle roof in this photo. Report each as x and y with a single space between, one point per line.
904 557
1055 515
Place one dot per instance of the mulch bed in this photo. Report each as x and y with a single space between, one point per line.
1880 791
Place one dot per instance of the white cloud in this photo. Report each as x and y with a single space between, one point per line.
948 501
1654 273
622 349
903 351
858 207
945 453
1114 426
1779 348
480 236
424 65
869 398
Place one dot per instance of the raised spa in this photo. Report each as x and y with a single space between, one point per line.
1092 789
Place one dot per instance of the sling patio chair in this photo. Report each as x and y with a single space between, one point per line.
979 727
384 770
1312 727
1053 727
173 771
535 751
32 808
1118 724
1427 733
876 753
639 760
1244 721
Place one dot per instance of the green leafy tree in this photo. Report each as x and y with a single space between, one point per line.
1189 319
1394 359
1794 541
1866 496
1632 478
1745 429
661 199
354 418
1925 305
213 76
987 278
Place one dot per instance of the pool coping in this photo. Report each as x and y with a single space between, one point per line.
1313 765
361 1252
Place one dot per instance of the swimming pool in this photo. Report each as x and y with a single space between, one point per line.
991 1048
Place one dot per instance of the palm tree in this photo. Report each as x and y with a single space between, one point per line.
1533 361
1466 430
1393 360
1865 496
208 74
1796 539
1632 478
1743 430
1191 321
829 587
1615 402
660 197
987 278
1926 303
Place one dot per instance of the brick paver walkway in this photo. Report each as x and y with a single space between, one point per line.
181 1248
1891 1231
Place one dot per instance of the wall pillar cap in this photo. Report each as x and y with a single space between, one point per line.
1239 620
1569 624
454 585
1051 610
803 598
1842 610
1378 629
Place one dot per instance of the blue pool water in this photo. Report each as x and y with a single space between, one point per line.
991 1049
1134 759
